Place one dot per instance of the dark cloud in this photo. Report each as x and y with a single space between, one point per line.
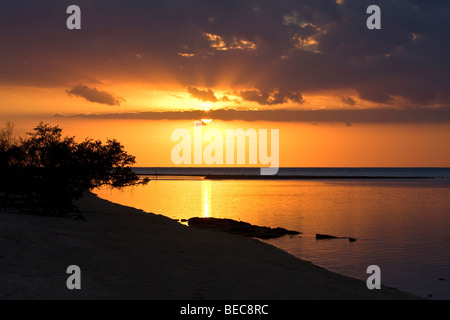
346 116
271 98
203 95
262 97
287 46
94 95
348 101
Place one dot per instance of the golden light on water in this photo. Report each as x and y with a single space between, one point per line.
206 199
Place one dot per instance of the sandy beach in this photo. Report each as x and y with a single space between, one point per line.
125 253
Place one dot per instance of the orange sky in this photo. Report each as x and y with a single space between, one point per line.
301 144
363 98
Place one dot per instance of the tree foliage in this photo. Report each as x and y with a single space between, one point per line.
46 172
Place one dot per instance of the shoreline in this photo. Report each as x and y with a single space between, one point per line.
287 173
275 177
281 178
125 253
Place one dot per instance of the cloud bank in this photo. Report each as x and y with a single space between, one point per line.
347 116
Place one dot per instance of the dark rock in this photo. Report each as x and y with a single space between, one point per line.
324 237
320 236
238 227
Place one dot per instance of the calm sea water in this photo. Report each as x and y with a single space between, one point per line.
403 226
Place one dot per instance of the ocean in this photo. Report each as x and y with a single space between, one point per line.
399 216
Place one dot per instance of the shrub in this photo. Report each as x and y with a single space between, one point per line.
45 173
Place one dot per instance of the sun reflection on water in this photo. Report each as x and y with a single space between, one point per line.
206 199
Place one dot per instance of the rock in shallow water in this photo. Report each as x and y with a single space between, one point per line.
327 237
238 227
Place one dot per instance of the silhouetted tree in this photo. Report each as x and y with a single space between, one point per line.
6 136
46 172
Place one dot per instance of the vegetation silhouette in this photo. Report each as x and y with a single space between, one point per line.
45 173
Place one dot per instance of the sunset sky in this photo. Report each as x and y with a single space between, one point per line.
340 94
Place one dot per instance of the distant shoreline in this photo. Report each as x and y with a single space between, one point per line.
234 177
275 177
229 173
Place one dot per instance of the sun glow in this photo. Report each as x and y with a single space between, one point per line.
206 106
